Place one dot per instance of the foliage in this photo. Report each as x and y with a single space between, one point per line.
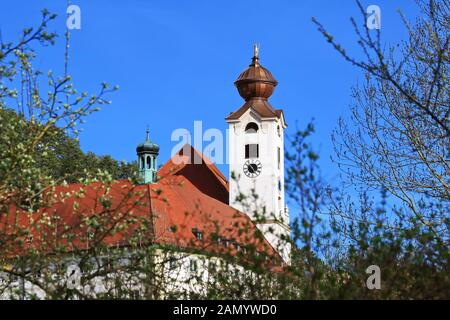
60 157
394 148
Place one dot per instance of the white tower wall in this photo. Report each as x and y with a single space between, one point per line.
269 184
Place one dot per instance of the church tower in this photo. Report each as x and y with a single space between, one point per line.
256 156
147 153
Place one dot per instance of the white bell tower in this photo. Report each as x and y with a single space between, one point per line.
256 157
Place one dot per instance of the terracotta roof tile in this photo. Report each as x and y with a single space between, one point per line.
187 197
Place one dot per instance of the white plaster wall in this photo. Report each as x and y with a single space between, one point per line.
266 184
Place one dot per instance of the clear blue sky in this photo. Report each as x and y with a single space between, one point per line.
176 61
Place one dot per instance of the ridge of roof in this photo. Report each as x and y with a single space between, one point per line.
180 161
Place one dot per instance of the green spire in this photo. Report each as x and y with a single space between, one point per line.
147 153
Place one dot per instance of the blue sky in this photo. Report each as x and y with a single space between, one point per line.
176 61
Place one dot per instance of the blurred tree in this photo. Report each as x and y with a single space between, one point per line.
59 156
398 137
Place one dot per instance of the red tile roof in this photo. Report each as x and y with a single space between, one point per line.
198 169
191 195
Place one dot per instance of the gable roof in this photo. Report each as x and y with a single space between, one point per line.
199 170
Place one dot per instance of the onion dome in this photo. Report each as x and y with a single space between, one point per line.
256 81
147 146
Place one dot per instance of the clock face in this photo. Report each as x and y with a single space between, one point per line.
252 168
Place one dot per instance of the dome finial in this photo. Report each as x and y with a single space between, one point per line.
255 59
148 134
256 50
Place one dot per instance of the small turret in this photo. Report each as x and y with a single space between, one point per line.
147 153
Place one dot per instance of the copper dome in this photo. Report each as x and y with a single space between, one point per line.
256 81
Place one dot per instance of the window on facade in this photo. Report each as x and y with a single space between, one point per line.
172 264
213 266
251 151
251 128
193 265
198 234
279 131
279 157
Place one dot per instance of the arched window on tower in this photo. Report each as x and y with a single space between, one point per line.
142 163
251 127
148 162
